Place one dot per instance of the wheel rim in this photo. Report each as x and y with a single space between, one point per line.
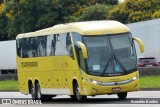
78 93
33 93
38 93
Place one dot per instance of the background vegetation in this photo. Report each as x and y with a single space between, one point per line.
20 16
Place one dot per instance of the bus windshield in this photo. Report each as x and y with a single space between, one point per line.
110 55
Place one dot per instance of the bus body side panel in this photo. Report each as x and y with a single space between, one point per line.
22 77
71 71
51 75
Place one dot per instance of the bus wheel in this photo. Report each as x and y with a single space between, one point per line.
73 97
122 96
77 94
33 95
38 92
39 96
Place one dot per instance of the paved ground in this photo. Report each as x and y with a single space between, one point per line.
98 101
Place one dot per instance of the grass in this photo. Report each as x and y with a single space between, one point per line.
150 82
145 82
9 85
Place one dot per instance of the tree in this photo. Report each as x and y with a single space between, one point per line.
3 26
156 14
135 10
107 2
97 12
30 15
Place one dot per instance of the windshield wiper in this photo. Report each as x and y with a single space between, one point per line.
106 66
117 60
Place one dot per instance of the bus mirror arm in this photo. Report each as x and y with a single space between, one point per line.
84 49
141 45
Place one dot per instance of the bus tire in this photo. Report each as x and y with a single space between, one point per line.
33 94
73 97
38 92
39 96
122 96
77 94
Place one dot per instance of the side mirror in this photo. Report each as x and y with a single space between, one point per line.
84 49
141 45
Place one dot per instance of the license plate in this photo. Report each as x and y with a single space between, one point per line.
116 89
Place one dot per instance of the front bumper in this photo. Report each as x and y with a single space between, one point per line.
96 89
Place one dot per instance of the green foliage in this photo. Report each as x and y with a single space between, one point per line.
135 10
96 12
3 26
29 15
108 2
21 16
156 14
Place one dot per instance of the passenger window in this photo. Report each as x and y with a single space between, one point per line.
19 49
42 42
58 44
24 48
32 47
51 43
69 46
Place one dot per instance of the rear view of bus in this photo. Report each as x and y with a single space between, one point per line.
88 58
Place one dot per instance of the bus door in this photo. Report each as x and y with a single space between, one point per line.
69 63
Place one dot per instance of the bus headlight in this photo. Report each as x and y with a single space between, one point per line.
134 78
92 81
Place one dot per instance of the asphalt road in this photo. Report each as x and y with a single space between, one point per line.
134 99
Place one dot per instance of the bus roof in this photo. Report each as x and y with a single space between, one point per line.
84 28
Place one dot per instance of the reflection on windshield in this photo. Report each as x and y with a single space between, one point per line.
110 55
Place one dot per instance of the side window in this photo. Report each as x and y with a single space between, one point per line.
81 61
32 47
68 48
51 45
19 45
76 37
42 42
24 48
57 44
68 40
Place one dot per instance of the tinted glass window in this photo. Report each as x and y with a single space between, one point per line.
76 37
24 48
42 42
32 44
69 45
81 61
51 45
58 45
19 45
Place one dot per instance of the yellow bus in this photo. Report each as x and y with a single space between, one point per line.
78 59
